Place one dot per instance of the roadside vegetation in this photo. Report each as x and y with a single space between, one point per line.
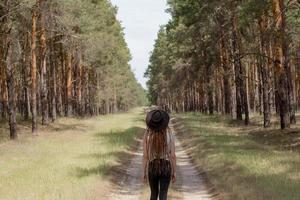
70 159
243 162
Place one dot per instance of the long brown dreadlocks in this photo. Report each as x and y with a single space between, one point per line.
157 144
157 149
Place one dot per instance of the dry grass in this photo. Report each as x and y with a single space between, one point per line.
244 162
70 159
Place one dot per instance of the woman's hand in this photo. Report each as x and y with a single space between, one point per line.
145 159
144 178
173 178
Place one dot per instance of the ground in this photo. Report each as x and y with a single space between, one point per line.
188 186
92 158
100 158
244 162
70 159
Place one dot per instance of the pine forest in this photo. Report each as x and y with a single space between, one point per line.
63 58
229 57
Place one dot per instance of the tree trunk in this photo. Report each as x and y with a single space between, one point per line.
226 77
69 85
43 76
62 80
3 96
79 83
115 102
241 90
264 68
279 62
209 82
53 66
290 83
25 100
7 41
33 72
11 92
25 63
53 81
107 110
237 65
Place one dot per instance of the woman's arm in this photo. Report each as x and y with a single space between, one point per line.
145 158
173 159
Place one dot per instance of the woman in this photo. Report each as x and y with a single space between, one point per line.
159 159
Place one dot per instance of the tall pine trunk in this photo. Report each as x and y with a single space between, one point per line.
115 103
53 81
3 88
290 83
43 74
11 91
279 62
33 72
79 83
237 65
240 75
53 67
264 68
25 64
69 85
7 41
226 77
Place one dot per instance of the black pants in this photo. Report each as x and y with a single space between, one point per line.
159 179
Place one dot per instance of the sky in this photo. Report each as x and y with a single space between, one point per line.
141 20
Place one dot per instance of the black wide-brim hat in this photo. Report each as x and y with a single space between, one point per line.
157 120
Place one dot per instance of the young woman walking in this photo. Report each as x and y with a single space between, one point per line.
159 159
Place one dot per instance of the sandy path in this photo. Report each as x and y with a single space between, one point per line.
129 188
190 183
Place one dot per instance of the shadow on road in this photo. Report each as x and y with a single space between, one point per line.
113 164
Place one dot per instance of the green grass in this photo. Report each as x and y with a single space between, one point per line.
70 159
244 162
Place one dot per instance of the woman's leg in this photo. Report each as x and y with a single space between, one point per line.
154 184
164 182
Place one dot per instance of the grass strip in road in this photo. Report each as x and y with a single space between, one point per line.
243 162
71 159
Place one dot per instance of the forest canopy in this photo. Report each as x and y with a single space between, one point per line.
63 57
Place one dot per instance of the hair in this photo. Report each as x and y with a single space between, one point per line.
157 143
157 148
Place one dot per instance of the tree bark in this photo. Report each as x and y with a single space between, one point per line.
25 62
290 84
240 76
43 46
210 89
79 83
62 80
11 92
264 68
33 72
53 81
53 67
237 65
279 62
69 85
115 103
226 77
3 96
7 41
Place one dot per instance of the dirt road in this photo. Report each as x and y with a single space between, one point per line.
190 184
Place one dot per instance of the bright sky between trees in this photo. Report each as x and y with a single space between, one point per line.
141 20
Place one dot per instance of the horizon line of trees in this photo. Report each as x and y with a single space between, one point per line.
63 58
230 57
